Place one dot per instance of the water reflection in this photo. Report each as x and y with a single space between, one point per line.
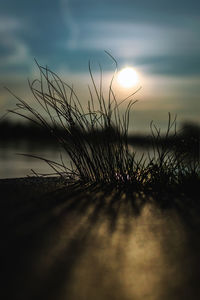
31 140
14 165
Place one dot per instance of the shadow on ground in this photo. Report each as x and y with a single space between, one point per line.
93 242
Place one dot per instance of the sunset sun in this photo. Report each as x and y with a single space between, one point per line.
127 77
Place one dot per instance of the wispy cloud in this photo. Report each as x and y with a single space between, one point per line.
71 25
160 38
14 52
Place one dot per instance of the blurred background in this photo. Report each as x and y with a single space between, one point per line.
159 39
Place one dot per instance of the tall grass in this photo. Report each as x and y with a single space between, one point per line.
110 160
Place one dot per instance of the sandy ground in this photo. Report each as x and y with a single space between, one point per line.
71 242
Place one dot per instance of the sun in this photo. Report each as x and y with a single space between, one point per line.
127 77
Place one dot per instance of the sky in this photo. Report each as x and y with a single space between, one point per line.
160 39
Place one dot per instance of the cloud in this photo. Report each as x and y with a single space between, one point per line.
154 11
9 24
136 39
161 36
162 50
14 53
71 24
174 65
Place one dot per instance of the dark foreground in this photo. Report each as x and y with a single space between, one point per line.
78 243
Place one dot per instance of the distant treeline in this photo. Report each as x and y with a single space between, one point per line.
23 131
187 139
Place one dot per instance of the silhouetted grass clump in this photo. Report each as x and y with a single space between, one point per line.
109 159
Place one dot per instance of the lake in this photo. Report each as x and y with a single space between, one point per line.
13 165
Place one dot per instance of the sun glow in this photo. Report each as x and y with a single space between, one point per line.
127 77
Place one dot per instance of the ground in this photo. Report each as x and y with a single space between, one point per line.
62 241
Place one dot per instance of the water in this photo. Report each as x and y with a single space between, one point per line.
13 165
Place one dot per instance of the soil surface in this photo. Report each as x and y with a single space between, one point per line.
64 241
